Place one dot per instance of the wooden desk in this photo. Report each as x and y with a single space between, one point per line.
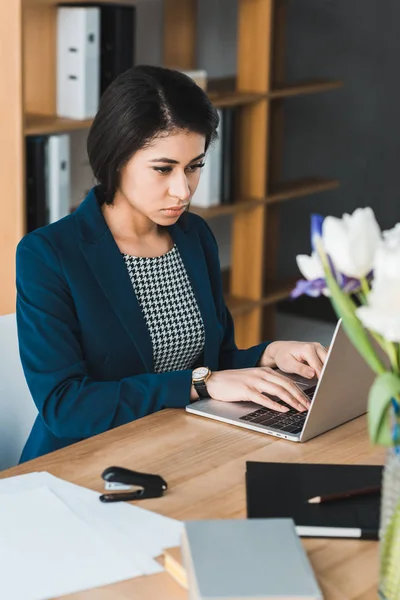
204 464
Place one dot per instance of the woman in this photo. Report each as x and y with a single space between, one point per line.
120 303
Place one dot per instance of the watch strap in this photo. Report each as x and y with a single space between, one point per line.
201 389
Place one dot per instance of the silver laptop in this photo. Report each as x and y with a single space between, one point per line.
341 394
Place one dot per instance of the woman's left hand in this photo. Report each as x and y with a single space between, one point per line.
303 358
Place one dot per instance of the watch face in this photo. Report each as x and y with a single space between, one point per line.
200 373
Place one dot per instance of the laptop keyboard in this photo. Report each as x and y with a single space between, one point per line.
291 421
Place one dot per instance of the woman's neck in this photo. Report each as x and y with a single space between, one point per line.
134 233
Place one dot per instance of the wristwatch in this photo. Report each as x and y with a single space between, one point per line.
199 379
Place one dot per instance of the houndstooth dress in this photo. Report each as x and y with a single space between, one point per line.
170 309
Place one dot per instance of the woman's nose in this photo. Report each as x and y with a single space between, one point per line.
179 187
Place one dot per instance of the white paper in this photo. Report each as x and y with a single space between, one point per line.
132 533
143 530
50 551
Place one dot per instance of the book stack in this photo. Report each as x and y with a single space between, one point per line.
242 560
48 189
58 176
94 45
216 185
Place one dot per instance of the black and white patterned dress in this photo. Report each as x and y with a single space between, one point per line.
170 309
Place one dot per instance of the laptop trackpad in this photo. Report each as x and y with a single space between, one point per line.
302 382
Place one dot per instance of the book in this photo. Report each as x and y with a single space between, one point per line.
244 559
228 160
199 76
280 490
78 61
36 178
117 41
58 179
173 564
208 192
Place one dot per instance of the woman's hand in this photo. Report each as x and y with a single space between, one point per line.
303 358
251 384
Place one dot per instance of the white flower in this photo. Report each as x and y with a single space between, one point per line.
351 241
382 314
387 258
310 266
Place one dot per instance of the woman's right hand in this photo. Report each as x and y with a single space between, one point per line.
256 385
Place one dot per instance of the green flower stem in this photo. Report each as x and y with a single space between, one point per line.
393 354
365 287
361 297
346 309
390 348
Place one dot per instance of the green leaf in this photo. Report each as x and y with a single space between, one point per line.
384 388
345 308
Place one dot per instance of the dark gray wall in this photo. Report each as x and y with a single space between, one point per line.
353 133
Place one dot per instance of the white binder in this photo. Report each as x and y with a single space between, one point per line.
58 177
208 192
78 62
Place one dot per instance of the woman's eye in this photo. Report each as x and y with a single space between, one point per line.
163 170
190 168
195 167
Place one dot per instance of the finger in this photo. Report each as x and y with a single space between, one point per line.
259 398
293 365
309 354
296 394
289 394
323 353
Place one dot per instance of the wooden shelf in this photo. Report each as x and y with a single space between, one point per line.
300 187
278 290
239 306
227 99
226 86
43 124
284 191
226 209
311 86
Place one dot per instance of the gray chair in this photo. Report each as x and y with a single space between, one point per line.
17 409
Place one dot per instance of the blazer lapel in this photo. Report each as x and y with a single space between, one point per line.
104 258
190 249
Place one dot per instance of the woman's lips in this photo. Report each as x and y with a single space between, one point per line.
174 211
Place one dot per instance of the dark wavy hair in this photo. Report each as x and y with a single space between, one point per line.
139 105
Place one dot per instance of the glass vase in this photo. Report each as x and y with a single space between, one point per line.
389 574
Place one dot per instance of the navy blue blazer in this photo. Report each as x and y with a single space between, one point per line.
84 344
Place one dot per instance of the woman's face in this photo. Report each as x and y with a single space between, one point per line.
159 181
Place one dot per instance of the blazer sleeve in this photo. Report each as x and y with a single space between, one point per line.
230 357
72 404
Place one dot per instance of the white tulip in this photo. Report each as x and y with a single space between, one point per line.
382 314
387 258
310 266
351 241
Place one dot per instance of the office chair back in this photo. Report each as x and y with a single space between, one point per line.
17 409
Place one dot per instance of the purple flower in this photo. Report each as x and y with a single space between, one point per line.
312 287
316 229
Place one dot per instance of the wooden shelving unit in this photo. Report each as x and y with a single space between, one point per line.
27 107
48 124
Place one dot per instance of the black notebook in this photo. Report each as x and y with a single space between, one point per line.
279 490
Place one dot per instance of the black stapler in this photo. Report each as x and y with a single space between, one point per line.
140 485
